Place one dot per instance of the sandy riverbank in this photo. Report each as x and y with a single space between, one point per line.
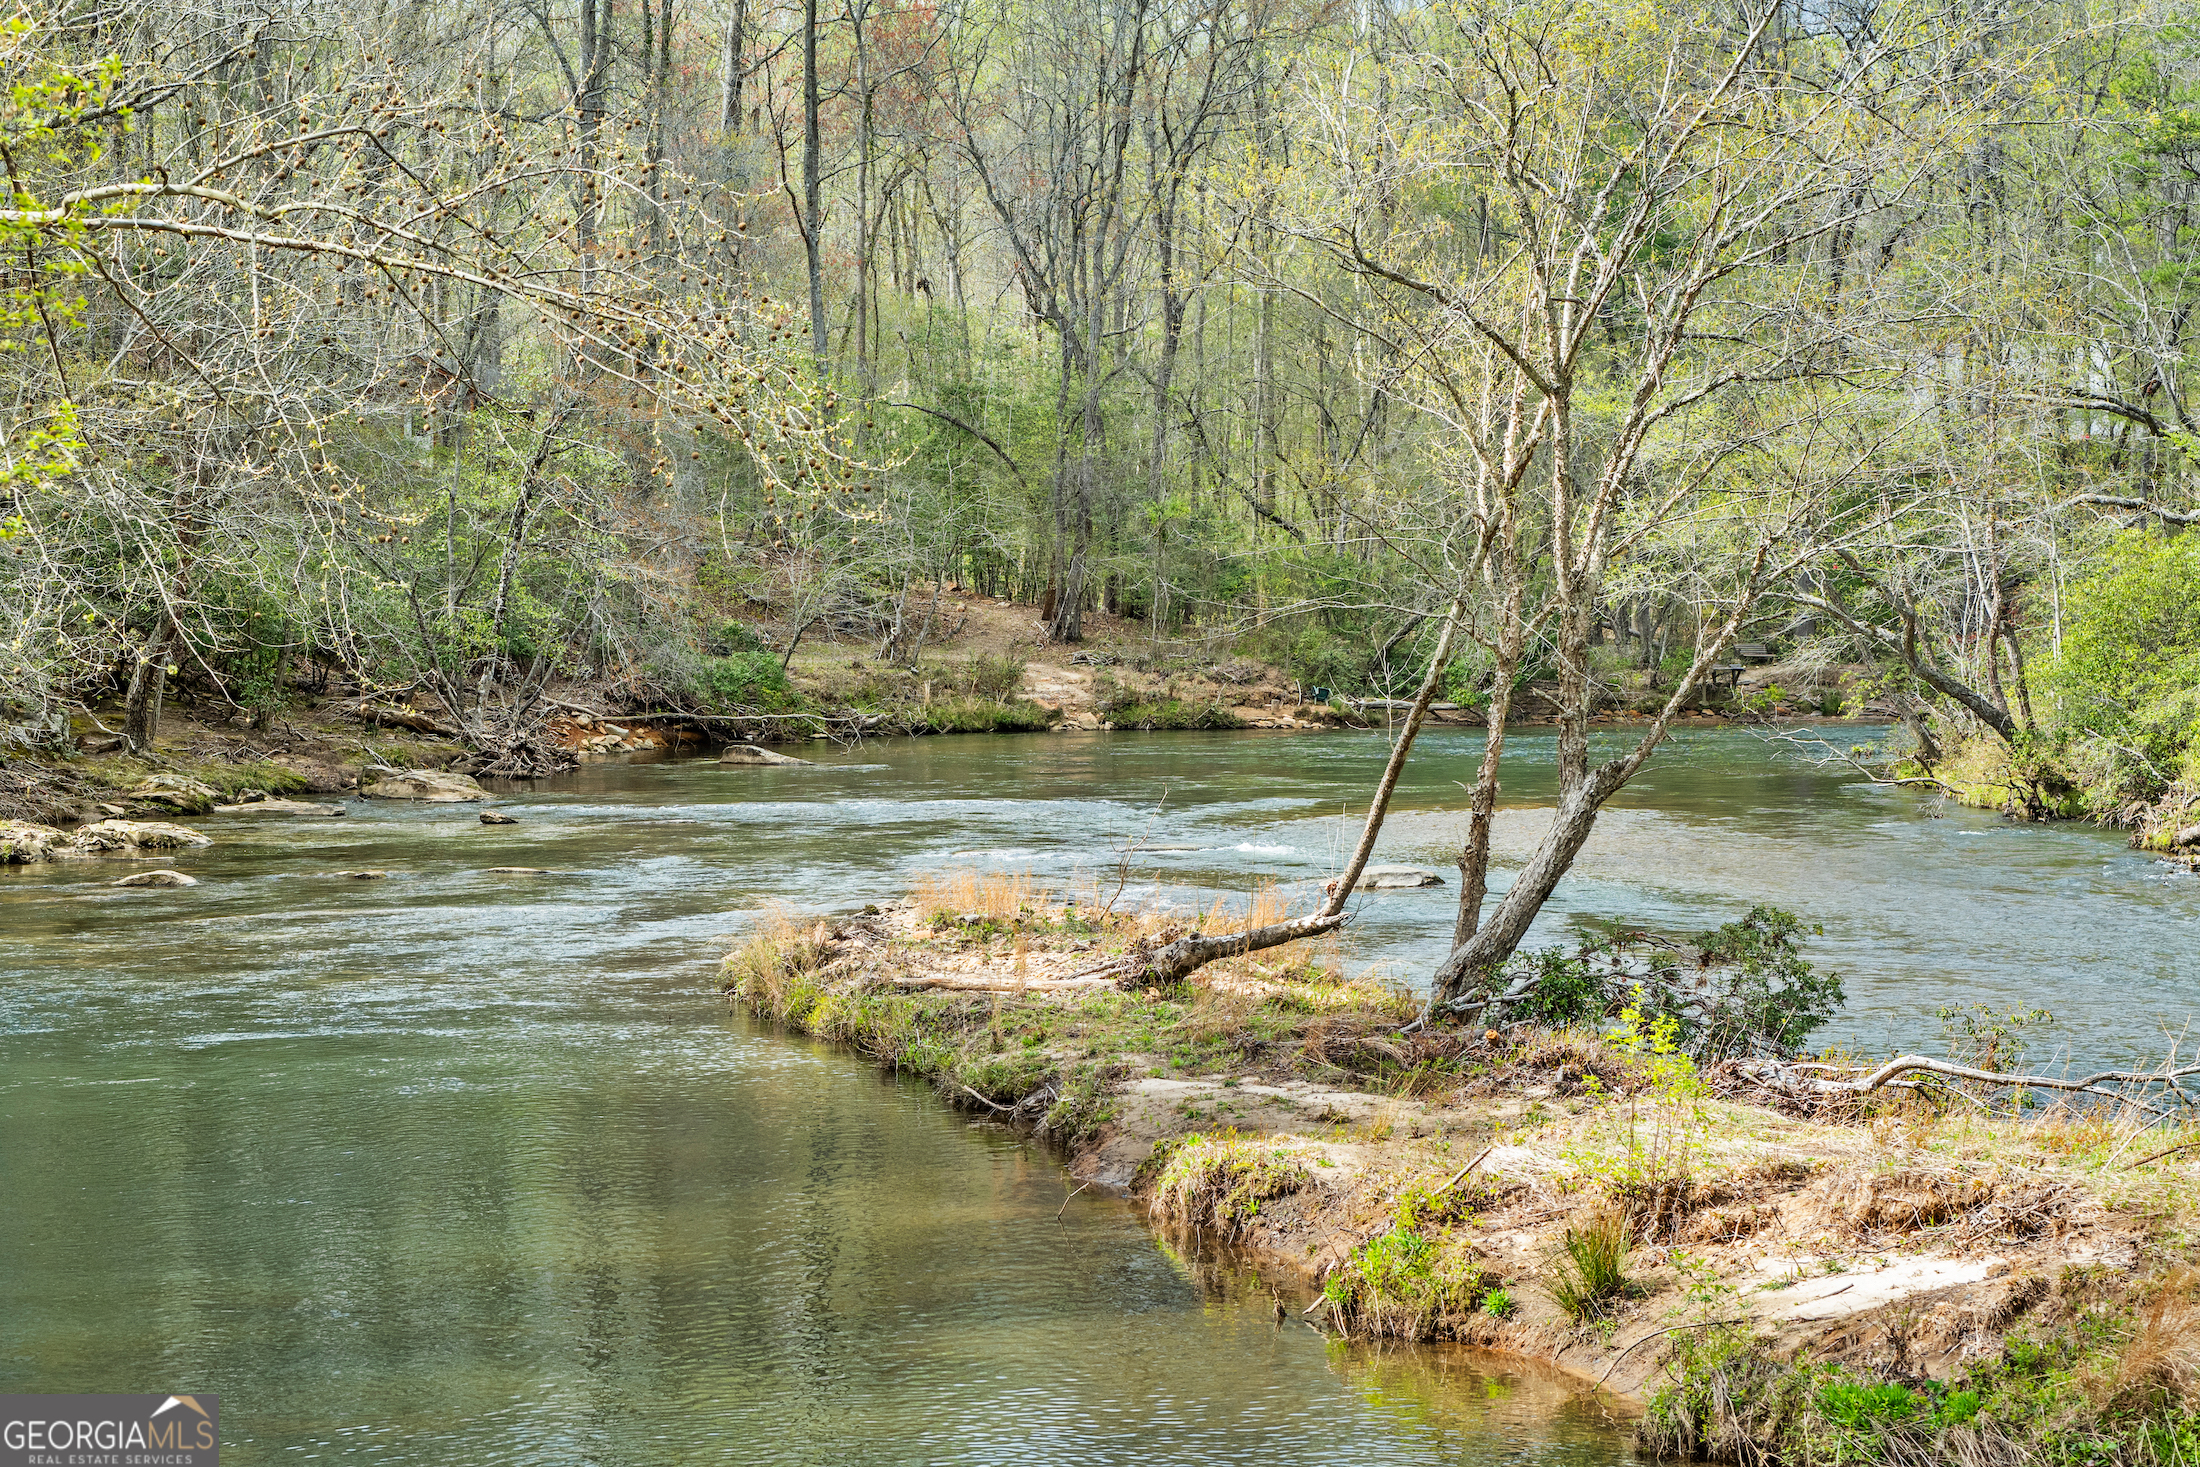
1443 1185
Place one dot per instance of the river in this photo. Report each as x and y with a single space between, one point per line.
454 1166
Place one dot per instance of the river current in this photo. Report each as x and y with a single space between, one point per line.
454 1166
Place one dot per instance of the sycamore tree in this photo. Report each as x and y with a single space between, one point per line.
1600 245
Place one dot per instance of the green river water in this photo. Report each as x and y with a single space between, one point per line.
455 1167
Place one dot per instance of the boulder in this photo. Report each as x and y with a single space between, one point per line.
156 878
491 817
178 794
279 807
23 843
751 754
434 787
132 835
1397 878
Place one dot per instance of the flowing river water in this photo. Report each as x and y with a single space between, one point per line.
463 1167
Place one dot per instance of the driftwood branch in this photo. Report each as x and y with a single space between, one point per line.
2109 1084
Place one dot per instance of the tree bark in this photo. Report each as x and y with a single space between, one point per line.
148 687
813 223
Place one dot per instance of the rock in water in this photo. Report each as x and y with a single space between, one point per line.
1397 878
361 875
751 754
22 843
279 807
135 835
491 817
520 871
176 793
426 784
156 878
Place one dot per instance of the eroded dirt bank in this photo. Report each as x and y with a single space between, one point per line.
1900 1278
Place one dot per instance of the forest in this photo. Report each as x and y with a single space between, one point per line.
477 350
1757 433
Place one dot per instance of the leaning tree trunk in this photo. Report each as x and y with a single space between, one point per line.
1187 955
1470 966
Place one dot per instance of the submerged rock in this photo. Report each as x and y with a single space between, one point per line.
178 794
751 754
360 875
434 787
279 807
491 817
156 878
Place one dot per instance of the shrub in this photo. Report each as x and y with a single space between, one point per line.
741 682
731 637
1743 989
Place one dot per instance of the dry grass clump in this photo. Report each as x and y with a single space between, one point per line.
2163 1356
994 895
778 951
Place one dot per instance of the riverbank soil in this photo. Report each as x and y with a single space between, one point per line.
1897 1277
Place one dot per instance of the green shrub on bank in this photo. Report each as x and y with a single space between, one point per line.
1744 989
1173 713
739 682
2106 1374
973 715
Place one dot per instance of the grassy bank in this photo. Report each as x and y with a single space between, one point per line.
1885 1279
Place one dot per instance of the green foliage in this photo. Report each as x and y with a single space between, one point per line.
2125 679
1174 713
1568 988
975 715
731 638
745 681
1977 1035
1768 996
1743 990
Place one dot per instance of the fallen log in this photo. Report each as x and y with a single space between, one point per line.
393 717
